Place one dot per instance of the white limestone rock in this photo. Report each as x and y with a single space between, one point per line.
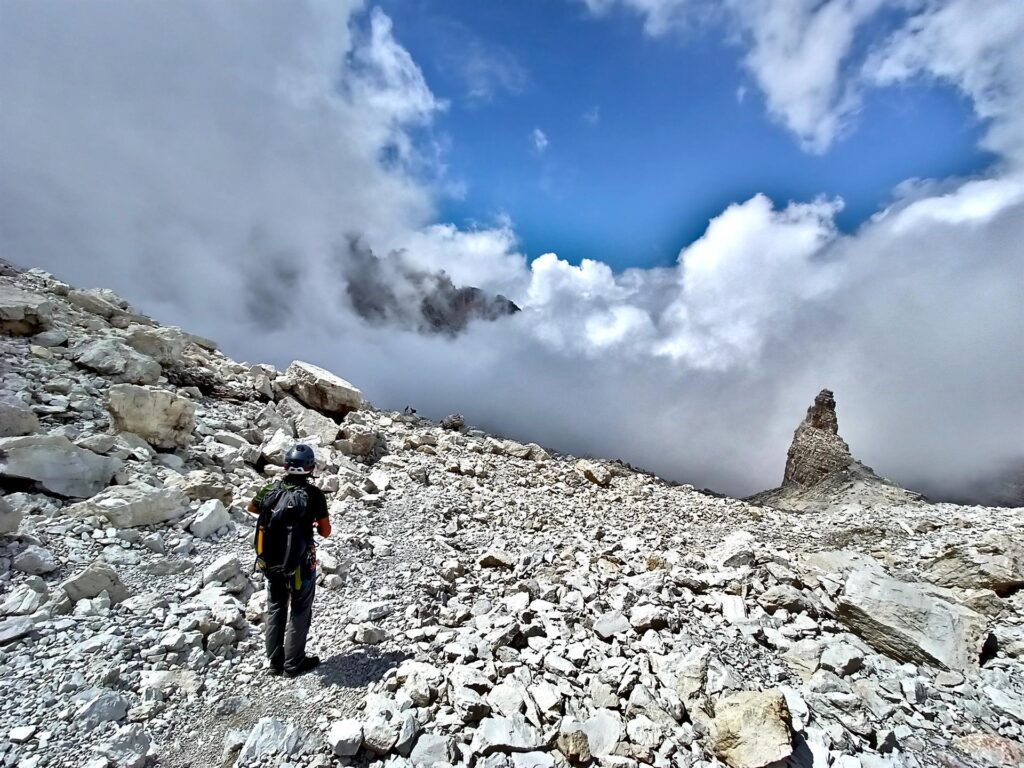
130 506
115 359
322 390
95 579
211 517
163 418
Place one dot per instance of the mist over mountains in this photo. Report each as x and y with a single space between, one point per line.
212 167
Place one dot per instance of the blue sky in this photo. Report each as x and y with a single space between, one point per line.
647 137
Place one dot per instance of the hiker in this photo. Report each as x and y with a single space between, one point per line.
288 510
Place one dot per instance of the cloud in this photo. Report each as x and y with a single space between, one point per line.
539 140
212 165
593 115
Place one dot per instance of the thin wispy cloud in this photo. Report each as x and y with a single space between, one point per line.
593 115
539 139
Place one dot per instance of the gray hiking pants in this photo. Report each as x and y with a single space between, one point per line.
287 649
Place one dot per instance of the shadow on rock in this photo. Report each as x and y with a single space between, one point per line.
359 667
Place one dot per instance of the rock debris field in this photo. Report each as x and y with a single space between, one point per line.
482 602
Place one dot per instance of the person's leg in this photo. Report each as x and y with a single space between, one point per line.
298 626
278 596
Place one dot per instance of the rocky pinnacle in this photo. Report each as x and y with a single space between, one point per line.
817 449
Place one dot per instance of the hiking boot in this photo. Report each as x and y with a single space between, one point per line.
275 670
307 664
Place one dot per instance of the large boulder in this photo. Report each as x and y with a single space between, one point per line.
98 577
322 390
23 313
165 345
114 358
912 622
162 418
56 465
96 302
751 729
17 419
128 506
995 563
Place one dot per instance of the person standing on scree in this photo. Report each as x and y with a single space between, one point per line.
288 510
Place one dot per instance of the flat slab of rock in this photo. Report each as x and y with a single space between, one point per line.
129 506
162 418
751 729
23 313
610 625
912 622
56 465
322 390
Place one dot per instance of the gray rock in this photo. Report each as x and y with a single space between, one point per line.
841 658
56 465
162 418
95 302
996 563
129 506
15 629
17 419
432 749
308 423
611 624
35 560
912 622
115 359
166 345
127 747
23 313
211 517
271 736
322 390
505 734
100 706
10 517
98 577
345 737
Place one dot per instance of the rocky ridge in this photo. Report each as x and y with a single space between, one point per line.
482 603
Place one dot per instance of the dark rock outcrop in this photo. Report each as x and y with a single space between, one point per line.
817 449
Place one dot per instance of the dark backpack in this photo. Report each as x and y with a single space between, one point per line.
283 532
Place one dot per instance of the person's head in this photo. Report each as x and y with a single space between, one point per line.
300 461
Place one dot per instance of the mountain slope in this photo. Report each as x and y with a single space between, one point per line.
482 602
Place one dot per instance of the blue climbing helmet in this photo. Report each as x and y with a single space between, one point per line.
300 460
